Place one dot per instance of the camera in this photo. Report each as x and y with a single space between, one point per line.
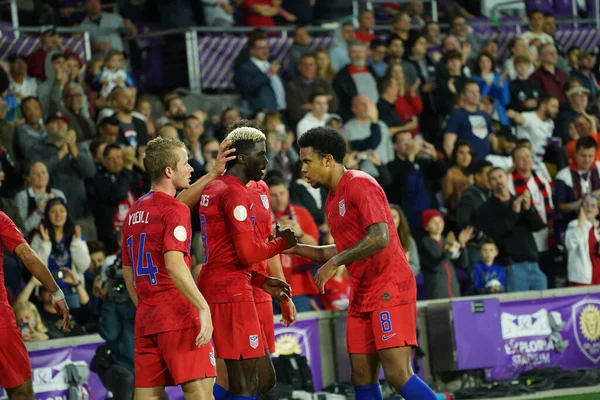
117 291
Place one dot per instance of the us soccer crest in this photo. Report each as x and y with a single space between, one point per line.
586 327
254 341
265 200
342 207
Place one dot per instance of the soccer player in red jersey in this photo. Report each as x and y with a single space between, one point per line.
15 370
382 315
230 250
156 268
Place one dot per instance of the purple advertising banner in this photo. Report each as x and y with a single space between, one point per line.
49 381
559 331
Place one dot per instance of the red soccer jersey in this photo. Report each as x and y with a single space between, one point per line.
11 238
385 278
155 224
260 215
224 212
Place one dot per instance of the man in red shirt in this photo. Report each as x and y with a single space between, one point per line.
50 43
381 325
551 78
366 22
297 270
15 374
230 250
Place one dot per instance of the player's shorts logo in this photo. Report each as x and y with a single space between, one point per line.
265 200
254 341
211 357
342 207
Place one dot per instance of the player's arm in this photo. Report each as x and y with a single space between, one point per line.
128 278
183 280
191 196
319 254
376 239
274 267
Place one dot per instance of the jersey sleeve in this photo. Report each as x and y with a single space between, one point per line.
178 229
236 211
369 202
10 236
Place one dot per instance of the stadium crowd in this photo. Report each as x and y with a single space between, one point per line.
490 165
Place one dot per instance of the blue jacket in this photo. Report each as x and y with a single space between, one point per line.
500 95
255 87
484 274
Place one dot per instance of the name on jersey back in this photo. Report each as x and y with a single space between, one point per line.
139 217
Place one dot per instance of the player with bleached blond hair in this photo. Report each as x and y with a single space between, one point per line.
230 251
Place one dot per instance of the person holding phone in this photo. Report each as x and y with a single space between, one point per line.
29 322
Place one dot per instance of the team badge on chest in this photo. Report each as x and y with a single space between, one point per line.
342 207
265 200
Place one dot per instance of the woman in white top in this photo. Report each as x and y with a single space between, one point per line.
582 241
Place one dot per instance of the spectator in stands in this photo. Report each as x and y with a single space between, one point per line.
366 23
92 281
457 180
108 129
261 13
585 74
449 82
69 165
581 177
377 58
389 97
49 316
577 105
298 91
337 291
367 132
210 149
536 23
460 30
551 79
489 276
192 132
438 256
32 132
300 47
258 80
116 191
355 160
280 145
339 50
297 270
113 73
318 115
32 200
175 112
517 48
132 130
60 245
228 117
21 84
468 123
582 241
395 53
50 91
434 40
218 13
573 59
143 110
325 70
408 103
37 62
105 29
313 199
406 240
492 85
30 323
7 133
511 221
524 92
301 9
355 78
72 108
168 132
401 26
415 172
584 125
537 126
450 43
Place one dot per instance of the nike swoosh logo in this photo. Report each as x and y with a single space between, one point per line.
386 337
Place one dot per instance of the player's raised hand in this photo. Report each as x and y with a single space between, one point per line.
206 328
278 289
288 312
324 274
62 309
288 235
225 155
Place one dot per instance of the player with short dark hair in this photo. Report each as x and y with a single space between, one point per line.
382 316
15 374
156 268
231 249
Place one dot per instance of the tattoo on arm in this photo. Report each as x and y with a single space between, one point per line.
377 238
26 255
